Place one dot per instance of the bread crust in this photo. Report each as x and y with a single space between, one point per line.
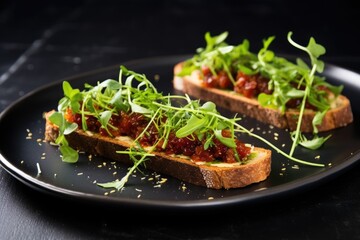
339 116
215 177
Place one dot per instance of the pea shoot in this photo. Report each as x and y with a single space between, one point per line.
287 80
177 114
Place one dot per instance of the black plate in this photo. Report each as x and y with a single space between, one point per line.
24 156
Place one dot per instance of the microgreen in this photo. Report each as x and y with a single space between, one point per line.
288 80
168 113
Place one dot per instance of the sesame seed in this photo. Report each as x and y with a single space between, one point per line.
163 180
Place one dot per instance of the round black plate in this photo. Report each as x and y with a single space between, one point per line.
38 164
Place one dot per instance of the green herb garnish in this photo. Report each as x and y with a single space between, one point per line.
169 113
288 80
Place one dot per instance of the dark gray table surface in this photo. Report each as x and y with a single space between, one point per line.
44 41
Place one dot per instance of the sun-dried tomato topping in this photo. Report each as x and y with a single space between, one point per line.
221 80
251 85
248 85
134 124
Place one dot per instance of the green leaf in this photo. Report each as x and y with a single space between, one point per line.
67 89
266 100
225 49
229 142
57 119
315 49
215 40
70 127
193 124
69 155
317 120
314 143
295 93
105 117
114 184
209 106
72 94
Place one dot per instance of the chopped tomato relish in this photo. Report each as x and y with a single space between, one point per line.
249 86
134 124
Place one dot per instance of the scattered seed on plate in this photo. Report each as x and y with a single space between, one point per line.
295 167
38 168
163 180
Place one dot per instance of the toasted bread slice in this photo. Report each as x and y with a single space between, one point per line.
216 176
339 115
